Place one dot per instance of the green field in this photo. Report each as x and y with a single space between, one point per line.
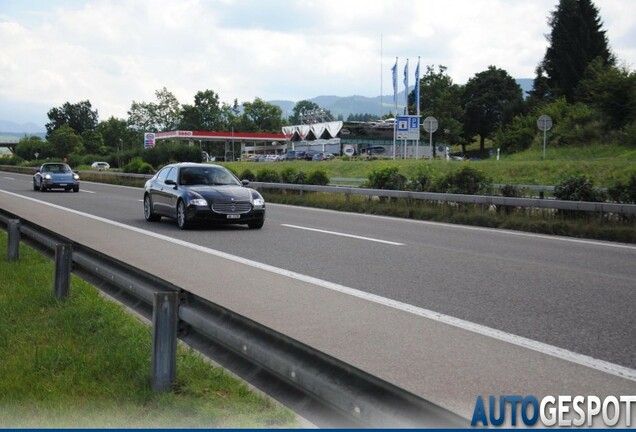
604 165
85 363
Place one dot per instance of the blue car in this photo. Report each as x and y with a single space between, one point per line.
56 175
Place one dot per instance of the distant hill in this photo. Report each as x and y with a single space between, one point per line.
12 128
344 106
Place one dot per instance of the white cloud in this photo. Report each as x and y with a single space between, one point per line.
113 52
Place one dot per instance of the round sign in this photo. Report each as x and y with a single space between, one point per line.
544 123
430 124
349 150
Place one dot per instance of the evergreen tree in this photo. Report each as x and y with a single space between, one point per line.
576 39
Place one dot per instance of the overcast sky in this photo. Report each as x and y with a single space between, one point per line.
114 52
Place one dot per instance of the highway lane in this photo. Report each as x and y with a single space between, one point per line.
577 295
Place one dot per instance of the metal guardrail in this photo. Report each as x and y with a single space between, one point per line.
485 200
324 389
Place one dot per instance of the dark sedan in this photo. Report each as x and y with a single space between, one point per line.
56 175
189 192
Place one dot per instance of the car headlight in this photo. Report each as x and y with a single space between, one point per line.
259 202
199 202
76 177
47 176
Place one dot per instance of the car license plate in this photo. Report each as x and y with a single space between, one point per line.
62 184
232 216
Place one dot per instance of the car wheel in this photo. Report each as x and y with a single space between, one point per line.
75 188
35 186
257 224
182 216
42 187
148 213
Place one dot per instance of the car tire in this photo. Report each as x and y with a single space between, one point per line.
148 213
182 215
42 187
257 224
35 186
75 188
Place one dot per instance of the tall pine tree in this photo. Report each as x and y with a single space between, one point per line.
576 39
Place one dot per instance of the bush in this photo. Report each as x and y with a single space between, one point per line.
292 175
138 166
578 188
420 182
386 178
268 175
624 193
510 191
467 181
318 177
247 175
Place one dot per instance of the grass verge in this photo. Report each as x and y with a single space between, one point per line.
85 363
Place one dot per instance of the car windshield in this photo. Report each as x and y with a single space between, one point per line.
56 168
206 176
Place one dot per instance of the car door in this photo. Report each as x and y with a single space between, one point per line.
170 193
158 192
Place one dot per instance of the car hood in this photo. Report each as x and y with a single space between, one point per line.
60 177
223 193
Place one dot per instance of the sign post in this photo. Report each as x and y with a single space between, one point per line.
544 123
430 126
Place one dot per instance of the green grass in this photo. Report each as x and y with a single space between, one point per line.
85 362
605 165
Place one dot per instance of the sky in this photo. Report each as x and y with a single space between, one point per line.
116 52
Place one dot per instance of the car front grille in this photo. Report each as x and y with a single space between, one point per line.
229 207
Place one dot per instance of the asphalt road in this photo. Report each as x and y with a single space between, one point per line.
574 294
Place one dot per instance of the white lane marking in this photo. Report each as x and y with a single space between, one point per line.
560 353
85 191
343 234
498 231
8 178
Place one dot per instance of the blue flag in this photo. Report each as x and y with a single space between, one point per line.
417 86
406 87
394 70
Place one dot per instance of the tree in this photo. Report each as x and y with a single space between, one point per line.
28 146
299 108
612 91
117 135
65 141
490 99
80 117
163 115
440 98
260 116
576 39
204 115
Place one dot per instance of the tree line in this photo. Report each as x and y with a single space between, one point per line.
579 83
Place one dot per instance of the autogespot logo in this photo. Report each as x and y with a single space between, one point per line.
562 411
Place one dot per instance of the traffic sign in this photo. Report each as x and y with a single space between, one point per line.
544 123
430 124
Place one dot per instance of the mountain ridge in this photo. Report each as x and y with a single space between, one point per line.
337 105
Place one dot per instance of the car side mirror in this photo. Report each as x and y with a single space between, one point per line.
171 182
245 182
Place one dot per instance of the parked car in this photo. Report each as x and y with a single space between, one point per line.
100 165
56 175
322 156
189 192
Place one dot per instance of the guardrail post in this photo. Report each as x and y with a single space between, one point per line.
164 340
63 264
13 230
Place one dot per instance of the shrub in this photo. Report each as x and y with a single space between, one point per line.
247 175
578 188
137 166
268 175
510 191
292 175
467 180
386 178
420 182
318 177
624 193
